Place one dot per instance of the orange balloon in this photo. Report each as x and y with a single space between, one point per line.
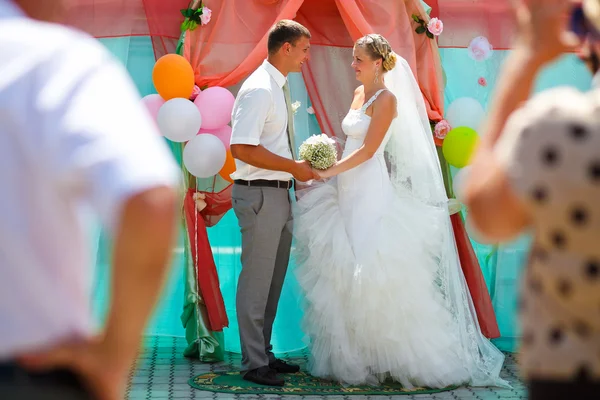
173 76
228 168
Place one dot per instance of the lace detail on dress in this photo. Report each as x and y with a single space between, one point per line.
371 100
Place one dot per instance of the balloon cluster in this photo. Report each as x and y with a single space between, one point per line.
464 116
201 123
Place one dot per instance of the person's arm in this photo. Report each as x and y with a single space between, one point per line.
251 111
384 110
260 157
513 89
494 208
142 251
542 38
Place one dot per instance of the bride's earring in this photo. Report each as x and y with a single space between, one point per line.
376 75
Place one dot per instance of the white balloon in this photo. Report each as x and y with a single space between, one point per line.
465 111
204 155
458 182
179 120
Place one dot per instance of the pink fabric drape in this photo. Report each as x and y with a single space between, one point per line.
235 42
463 20
116 18
200 249
329 80
467 19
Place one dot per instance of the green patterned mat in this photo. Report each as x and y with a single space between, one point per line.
300 384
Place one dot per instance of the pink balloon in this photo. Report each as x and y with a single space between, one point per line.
153 102
223 133
215 105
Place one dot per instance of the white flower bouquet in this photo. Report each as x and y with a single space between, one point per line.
319 151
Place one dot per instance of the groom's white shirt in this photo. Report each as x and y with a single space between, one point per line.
260 117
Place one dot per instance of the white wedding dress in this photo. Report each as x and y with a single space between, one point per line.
379 276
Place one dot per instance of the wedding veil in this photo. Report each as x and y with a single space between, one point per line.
415 173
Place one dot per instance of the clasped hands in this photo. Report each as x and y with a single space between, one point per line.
304 172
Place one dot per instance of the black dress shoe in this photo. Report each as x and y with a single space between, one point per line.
264 376
284 368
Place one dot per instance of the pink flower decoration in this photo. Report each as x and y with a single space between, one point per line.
435 26
480 49
195 93
441 129
206 14
482 81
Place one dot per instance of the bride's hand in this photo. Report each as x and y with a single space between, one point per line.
323 173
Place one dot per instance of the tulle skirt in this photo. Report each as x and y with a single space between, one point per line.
367 261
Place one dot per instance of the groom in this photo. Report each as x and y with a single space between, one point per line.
262 144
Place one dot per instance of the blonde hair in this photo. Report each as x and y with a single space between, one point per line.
378 47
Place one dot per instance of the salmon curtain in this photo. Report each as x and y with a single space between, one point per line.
234 44
158 19
467 19
247 19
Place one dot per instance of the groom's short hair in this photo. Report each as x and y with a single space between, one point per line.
285 31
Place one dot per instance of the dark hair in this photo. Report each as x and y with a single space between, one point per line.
285 31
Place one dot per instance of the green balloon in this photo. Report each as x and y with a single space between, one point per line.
459 145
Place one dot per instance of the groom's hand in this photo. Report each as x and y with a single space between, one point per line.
303 171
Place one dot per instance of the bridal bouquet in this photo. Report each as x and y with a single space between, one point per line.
319 151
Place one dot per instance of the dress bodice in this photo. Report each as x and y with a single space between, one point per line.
355 126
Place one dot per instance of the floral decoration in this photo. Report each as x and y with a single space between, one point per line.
480 49
295 106
195 17
441 129
433 28
482 81
195 93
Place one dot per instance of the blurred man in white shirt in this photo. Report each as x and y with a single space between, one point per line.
72 135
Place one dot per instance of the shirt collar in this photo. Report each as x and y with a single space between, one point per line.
8 9
275 73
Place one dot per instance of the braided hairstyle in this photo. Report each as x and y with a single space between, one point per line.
378 48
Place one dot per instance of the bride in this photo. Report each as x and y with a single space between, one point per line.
376 256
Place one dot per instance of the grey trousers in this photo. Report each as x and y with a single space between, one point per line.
265 218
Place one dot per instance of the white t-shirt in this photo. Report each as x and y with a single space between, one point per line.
73 135
260 117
